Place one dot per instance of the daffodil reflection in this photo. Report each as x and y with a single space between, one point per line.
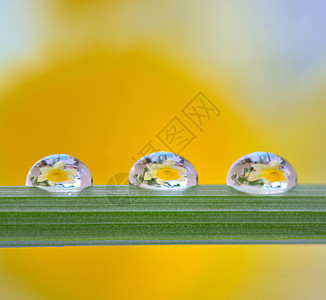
163 170
262 173
57 174
272 172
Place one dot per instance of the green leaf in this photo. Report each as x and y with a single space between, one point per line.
204 214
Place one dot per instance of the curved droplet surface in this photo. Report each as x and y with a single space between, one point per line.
59 173
262 173
163 170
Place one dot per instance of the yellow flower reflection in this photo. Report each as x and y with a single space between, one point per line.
268 173
57 174
165 172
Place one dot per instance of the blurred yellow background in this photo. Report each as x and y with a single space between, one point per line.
99 80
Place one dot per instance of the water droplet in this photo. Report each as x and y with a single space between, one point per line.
261 173
163 170
59 173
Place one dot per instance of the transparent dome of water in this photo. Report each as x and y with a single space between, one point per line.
262 173
59 173
163 170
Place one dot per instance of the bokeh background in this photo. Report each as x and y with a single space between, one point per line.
100 79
